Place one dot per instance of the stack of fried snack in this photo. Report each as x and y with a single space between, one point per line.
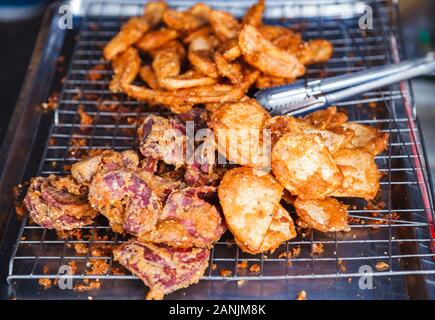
202 55
165 200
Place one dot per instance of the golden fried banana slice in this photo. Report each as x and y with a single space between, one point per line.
249 202
155 39
263 55
315 51
238 129
326 118
231 50
200 55
187 80
264 82
254 15
304 166
326 215
147 74
224 25
125 69
183 21
129 34
361 175
368 138
232 71
153 12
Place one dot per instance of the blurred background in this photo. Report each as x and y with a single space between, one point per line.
20 21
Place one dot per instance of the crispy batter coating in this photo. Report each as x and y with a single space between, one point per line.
254 15
163 269
153 12
264 82
147 74
238 129
250 203
360 174
262 54
187 221
326 118
325 215
224 25
200 55
368 138
232 71
125 69
183 21
304 166
231 50
315 51
188 79
156 39
129 34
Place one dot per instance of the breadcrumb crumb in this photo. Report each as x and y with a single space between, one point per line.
302 295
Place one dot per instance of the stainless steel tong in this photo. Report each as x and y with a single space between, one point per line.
300 98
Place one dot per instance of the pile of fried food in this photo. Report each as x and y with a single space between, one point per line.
175 207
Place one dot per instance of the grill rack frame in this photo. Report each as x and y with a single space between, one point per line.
396 100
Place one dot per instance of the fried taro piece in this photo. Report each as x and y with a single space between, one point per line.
117 190
187 220
59 203
250 203
163 139
163 269
304 166
325 215
125 69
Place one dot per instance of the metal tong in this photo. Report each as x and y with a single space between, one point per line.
300 98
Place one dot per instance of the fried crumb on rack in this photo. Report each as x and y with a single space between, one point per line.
341 265
94 74
85 119
225 273
45 282
241 283
81 248
317 249
97 267
18 198
255 268
242 265
73 267
87 285
382 266
302 295
52 103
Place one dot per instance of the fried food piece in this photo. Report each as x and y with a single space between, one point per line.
263 55
166 63
129 34
162 139
125 69
118 192
315 51
59 203
147 74
326 215
153 12
200 10
282 37
361 175
232 71
231 50
254 15
304 166
156 39
201 32
264 82
173 45
189 79
368 138
238 129
187 221
333 140
250 202
200 55
204 94
224 25
183 21
326 118
163 269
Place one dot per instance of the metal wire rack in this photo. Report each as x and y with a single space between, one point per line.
399 232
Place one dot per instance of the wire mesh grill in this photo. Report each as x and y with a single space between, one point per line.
398 232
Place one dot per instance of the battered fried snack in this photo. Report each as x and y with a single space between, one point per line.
183 21
265 56
238 128
163 269
326 118
368 138
156 39
59 203
325 215
200 55
125 68
224 25
129 34
304 166
315 51
250 203
360 174
187 221
147 74
232 71
254 15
